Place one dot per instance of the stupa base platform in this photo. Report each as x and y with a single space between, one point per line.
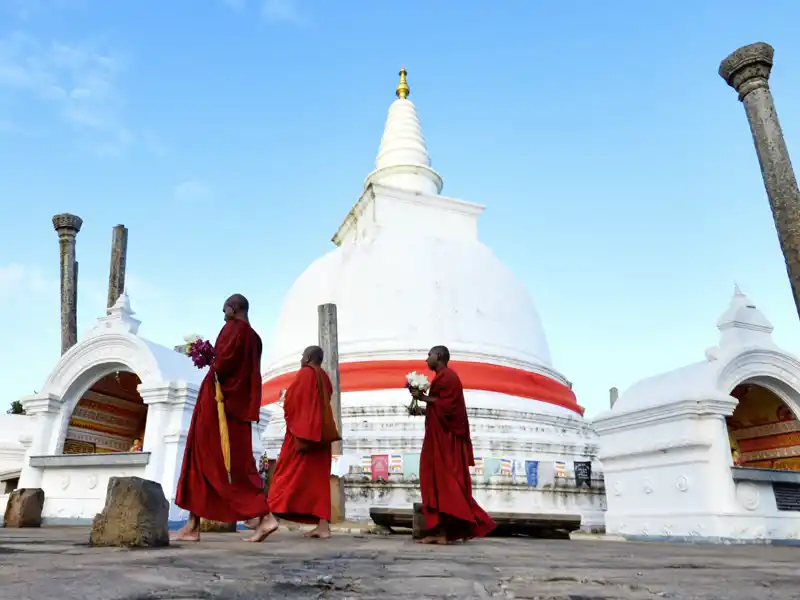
545 526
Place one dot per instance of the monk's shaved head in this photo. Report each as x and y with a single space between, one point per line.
313 355
442 352
236 307
438 357
239 303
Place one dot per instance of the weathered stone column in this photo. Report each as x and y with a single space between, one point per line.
747 71
119 258
329 342
68 226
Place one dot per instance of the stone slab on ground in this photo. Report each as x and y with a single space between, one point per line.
24 508
136 514
532 524
56 563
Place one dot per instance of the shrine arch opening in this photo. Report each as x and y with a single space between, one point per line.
763 431
110 417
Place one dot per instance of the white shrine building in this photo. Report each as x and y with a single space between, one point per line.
710 451
397 295
107 391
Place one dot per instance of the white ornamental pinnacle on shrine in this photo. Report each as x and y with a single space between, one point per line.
742 323
403 160
119 317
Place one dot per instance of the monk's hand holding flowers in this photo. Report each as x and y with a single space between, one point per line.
417 384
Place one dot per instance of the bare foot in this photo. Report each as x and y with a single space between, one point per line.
187 534
252 523
265 528
434 539
317 533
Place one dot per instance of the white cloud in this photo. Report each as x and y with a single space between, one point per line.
78 80
235 4
18 280
26 10
287 11
193 190
281 10
9 127
153 143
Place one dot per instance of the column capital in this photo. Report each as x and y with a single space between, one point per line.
67 225
748 68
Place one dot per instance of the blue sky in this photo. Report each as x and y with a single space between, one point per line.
231 138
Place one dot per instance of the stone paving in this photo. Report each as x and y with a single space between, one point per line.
57 563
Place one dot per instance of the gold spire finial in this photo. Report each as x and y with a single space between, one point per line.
403 91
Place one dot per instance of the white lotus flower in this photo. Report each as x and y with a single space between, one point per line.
191 338
418 381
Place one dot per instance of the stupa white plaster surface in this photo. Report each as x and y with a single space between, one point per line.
409 271
75 484
665 446
12 452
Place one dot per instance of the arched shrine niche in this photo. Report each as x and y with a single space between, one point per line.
110 417
763 431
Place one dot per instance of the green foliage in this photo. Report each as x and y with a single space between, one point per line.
16 408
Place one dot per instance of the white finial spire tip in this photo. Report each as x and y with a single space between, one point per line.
737 291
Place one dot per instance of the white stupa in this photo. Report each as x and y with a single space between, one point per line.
409 272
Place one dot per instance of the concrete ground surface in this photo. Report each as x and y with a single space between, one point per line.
57 563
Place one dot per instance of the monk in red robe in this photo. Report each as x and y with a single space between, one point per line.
451 512
203 487
300 490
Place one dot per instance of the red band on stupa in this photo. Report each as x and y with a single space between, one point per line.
391 374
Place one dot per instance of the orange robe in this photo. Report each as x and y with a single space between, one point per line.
444 462
203 487
300 490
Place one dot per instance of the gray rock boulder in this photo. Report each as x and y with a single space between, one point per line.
24 508
135 515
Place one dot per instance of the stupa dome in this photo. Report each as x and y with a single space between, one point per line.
398 294
408 273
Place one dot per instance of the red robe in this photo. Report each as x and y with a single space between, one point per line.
444 463
203 487
300 490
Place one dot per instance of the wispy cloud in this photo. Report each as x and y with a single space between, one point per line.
193 190
286 11
78 80
282 10
9 127
17 279
25 10
153 143
235 4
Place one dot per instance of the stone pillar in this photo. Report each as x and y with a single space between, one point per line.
43 439
165 435
747 71
119 258
160 399
68 226
329 342
613 395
